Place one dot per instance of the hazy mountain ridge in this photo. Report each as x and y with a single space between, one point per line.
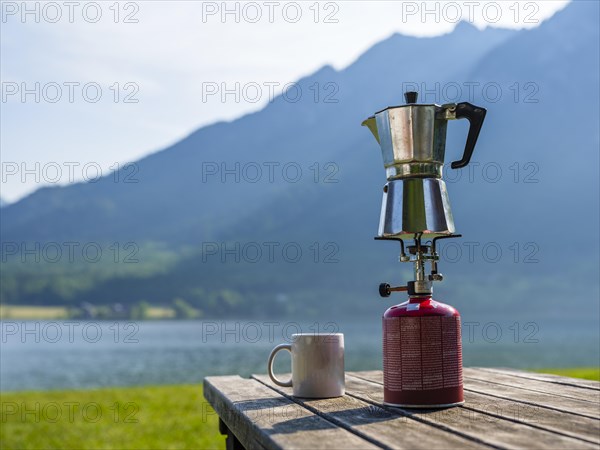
284 131
184 209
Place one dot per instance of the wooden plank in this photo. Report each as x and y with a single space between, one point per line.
384 427
564 423
566 404
532 384
261 418
549 378
375 376
549 419
486 418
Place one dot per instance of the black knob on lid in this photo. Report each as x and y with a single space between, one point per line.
411 97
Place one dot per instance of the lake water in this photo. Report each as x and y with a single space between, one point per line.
39 355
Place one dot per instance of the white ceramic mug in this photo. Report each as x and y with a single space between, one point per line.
317 365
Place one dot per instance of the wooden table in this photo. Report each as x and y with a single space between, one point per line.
503 409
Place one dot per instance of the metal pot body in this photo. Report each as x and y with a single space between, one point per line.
413 140
415 205
422 355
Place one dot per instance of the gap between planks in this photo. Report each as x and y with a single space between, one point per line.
518 394
426 429
538 386
259 417
588 425
545 377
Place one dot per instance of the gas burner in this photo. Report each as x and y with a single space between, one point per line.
422 351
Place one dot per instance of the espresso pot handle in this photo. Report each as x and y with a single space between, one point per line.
475 115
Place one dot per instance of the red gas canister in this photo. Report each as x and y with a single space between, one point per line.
422 354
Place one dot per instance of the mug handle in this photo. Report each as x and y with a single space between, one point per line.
276 380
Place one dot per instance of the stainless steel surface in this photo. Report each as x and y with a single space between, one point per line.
415 205
419 267
415 169
423 287
412 139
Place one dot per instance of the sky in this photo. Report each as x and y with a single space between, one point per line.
90 86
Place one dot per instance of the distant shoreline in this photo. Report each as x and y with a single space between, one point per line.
31 312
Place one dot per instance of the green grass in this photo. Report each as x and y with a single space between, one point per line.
24 312
156 312
587 373
154 417
161 417
33 312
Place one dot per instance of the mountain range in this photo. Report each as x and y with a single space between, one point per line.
303 174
